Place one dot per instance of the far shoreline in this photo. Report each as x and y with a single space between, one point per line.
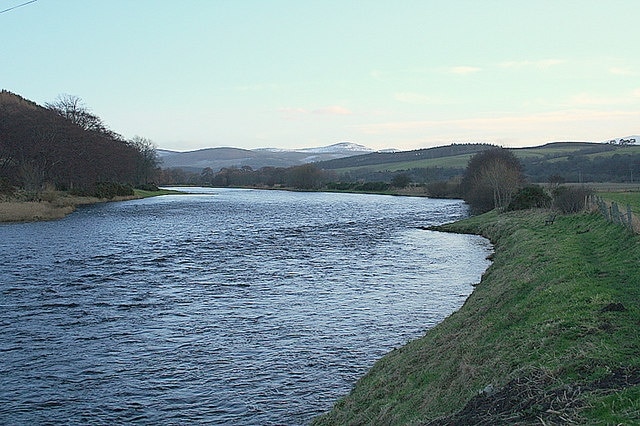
55 205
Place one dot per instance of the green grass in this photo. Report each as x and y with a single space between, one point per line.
141 193
539 325
624 199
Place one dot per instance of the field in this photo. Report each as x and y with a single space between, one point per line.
550 335
624 199
551 153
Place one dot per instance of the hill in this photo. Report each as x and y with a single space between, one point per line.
219 158
574 161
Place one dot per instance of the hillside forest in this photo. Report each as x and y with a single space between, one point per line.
64 146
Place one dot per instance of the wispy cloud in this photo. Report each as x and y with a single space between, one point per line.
289 113
520 129
293 113
540 64
255 87
586 99
622 71
418 99
464 70
332 110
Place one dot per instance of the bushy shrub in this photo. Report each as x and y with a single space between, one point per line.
109 190
148 187
443 189
373 186
571 199
529 197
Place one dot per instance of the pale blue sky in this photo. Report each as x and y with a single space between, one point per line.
405 74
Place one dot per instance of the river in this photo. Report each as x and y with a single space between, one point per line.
221 306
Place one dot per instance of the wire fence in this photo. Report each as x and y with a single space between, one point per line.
613 212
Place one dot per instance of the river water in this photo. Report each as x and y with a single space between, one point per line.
219 307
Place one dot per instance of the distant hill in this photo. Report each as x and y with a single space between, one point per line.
617 160
219 158
382 158
574 161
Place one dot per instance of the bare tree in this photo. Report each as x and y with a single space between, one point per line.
148 161
491 179
75 110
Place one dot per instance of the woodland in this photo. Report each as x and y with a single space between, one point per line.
64 146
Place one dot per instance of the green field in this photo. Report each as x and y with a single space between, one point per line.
624 199
550 335
551 153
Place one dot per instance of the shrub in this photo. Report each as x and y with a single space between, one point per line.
443 189
148 187
109 190
529 197
571 199
6 189
373 186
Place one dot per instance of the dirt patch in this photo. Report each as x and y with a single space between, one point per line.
535 399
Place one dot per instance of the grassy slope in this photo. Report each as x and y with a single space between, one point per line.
539 328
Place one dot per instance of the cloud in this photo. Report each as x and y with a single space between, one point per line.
332 110
540 64
622 71
520 130
586 99
411 98
292 113
464 70
289 113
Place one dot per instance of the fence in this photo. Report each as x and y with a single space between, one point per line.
612 212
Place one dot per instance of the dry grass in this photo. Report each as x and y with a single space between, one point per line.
51 205
28 211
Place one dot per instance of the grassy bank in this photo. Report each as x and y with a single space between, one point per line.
52 205
550 335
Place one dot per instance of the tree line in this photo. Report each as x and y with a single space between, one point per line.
495 179
66 146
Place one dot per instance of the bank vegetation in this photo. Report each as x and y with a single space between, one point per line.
549 336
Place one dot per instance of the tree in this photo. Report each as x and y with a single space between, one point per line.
74 110
401 180
491 179
147 161
306 176
207 175
54 146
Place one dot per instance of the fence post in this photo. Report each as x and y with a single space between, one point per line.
629 217
615 212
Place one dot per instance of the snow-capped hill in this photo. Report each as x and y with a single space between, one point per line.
339 148
217 158
628 140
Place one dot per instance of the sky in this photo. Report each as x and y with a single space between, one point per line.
403 74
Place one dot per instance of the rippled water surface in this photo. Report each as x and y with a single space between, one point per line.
227 307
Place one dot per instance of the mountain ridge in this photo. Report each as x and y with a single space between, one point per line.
225 157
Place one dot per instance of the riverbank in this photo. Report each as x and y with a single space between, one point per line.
52 205
549 336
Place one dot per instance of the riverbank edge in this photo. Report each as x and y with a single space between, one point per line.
54 205
549 335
